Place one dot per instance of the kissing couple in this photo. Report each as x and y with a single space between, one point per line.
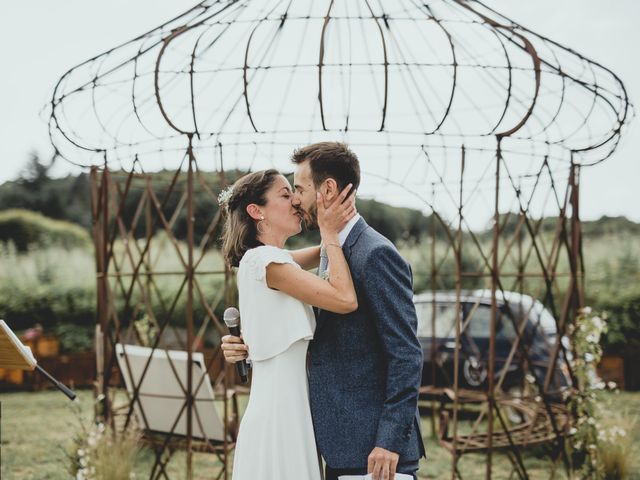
336 361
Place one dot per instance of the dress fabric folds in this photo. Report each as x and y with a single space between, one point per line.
276 439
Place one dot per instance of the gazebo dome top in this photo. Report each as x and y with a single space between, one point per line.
399 80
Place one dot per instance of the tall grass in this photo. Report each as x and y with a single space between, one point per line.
55 286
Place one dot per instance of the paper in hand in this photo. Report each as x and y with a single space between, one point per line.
399 476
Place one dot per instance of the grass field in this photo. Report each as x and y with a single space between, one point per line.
37 428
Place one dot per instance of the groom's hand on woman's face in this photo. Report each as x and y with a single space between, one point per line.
233 349
382 464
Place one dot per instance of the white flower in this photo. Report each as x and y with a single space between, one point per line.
617 432
611 385
598 323
573 431
225 195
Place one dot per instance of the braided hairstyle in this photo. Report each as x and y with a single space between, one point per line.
240 232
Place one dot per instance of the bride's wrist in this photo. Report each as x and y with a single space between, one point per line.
330 238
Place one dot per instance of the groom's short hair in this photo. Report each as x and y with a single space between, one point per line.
330 160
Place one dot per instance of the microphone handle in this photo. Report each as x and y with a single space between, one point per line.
241 367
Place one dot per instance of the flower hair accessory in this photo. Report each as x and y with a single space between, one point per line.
225 196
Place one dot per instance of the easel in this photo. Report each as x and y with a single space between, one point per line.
15 355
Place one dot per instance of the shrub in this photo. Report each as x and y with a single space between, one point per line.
26 230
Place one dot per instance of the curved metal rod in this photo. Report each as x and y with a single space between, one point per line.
528 47
454 63
624 97
166 41
156 80
386 67
321 63
244 78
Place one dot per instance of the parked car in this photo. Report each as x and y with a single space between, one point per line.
539 333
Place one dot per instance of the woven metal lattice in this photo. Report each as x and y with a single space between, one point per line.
449 105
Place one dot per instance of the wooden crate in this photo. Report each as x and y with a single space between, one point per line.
611 369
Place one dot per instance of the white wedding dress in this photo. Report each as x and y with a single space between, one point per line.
276 439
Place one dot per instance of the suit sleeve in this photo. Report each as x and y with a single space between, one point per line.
389 294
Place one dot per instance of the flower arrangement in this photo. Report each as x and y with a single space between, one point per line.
99 453
591 440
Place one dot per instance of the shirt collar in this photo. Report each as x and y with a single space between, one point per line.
344 233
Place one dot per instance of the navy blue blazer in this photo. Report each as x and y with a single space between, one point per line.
365 367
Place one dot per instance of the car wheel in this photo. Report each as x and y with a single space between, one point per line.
474 371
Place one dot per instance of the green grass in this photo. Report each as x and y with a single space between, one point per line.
37 430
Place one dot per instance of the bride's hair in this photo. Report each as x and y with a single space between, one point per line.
240 230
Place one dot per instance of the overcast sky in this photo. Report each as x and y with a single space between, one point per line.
41 39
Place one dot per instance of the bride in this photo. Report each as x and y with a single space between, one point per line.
276 439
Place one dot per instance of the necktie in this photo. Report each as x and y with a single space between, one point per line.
324 262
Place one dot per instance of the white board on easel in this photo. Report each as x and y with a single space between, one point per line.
162 396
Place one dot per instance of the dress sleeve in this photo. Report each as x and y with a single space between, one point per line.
259 258
272 320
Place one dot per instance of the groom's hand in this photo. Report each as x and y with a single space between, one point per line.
382 464
233 349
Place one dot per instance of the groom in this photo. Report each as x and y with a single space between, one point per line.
364 367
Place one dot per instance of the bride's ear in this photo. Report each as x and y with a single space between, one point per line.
254 212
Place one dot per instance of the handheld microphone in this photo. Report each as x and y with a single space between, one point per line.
232 320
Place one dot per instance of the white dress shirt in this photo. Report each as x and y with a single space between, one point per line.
342 237
346 230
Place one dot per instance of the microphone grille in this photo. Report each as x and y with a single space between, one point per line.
231 317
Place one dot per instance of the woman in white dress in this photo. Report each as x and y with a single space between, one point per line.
276 439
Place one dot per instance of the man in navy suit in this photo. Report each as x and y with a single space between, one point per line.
364 367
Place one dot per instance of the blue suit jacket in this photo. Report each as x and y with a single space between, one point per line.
365 367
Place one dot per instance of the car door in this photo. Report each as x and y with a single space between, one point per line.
476 342
438 363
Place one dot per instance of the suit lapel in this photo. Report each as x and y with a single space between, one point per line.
353 236
347 248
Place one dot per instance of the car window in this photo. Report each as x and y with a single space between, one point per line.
480 322
506 329
445 316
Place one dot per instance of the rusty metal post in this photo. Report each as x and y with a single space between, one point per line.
494 314
189 318
458 321
104 289
434 311
97 198
576 236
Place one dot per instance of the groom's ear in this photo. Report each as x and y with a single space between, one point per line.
330 189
